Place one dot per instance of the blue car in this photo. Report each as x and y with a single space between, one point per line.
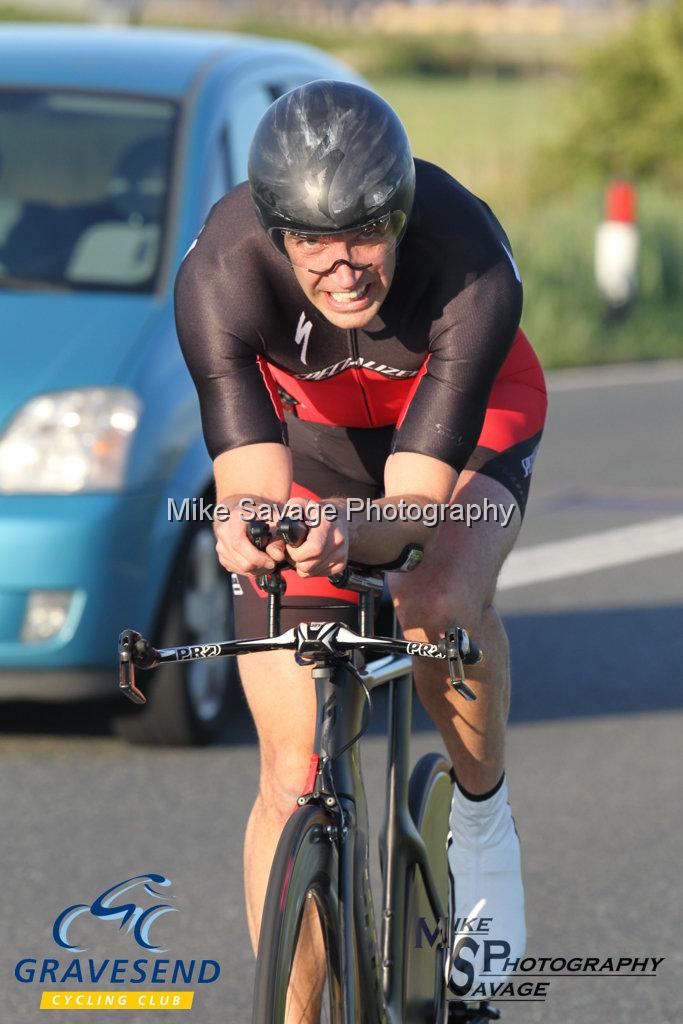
114 145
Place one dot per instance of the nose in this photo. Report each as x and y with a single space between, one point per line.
344 276
340 263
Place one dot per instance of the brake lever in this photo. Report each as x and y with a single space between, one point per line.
134 650
456 646
293 533
260 536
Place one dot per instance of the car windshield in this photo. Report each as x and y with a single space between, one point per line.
84 180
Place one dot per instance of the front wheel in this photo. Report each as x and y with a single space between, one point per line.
298 972
429 800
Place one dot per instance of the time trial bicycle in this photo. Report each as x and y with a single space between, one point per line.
319 893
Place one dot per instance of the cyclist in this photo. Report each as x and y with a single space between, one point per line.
350 317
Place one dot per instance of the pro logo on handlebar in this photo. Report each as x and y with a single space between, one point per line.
200 651
425 650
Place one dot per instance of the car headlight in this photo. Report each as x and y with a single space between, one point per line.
64 442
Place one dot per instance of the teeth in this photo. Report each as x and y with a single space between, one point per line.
349 296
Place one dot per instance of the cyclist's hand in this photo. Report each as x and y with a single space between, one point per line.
326 549
236 553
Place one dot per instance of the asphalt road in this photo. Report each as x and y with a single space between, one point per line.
594 755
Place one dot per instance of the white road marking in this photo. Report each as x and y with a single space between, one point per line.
557 560
659 372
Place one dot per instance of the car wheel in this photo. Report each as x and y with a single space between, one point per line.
188 704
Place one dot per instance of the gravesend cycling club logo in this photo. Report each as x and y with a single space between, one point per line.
137 908
105 907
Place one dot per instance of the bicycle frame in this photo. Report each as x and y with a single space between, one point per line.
338 786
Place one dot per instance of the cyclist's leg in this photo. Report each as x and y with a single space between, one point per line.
458 589
282 704
281 697
456 582
483 850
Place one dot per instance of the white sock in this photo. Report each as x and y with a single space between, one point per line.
484 861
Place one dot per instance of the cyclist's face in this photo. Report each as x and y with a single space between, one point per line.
348 293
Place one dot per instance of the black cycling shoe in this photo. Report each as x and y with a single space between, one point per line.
461 1013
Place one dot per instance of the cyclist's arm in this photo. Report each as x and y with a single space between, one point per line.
237 396
441 422
258 474
445 413
413 479
242 417
261 471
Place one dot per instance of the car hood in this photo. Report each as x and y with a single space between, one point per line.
56 341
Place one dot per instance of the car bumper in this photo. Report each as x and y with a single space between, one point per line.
98 547
56 684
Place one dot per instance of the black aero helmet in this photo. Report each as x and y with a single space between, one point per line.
330 157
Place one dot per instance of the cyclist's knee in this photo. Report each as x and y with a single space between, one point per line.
431 614
283 775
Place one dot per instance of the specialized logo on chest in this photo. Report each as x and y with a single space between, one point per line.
302 338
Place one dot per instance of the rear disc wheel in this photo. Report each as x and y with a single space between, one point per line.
429 799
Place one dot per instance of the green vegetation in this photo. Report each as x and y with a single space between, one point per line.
484 131
627 114
460 54
18 12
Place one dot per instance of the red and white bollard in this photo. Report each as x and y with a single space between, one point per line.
617 243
